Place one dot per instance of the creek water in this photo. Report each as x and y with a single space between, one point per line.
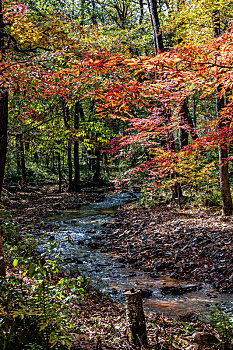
77 236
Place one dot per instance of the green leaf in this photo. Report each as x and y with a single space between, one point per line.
31 270
15 262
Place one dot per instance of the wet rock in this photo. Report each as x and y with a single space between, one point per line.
161 265
137 264
204 338
94 244
173 275
92 231
121 266
145 292
73 261
153 275
104 250
103 263
131 260
178 290
114 291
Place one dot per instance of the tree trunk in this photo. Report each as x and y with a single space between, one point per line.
176 191
141 11
70 169
194 112
66 117
135 319
222 147
22 162
3 132
159 47
53 162
76 181
93 16
17 144
59 171
36 157
96 177
223 167
82 12
186 120
78 114
2 261
47 160
158 40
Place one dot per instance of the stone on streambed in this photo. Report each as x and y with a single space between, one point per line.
51 238
145 292
161 265
72 261
94 244
114 291
178 290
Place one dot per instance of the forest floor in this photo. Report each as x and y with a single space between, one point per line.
192 244
188 244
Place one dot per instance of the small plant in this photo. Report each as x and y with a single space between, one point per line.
35 299
223 324
36 308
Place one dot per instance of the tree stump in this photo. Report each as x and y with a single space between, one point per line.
136 325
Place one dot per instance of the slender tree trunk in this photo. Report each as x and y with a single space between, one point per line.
96 177
2 261
76 181
141 11
27 146
78 114
3 131
70 169
93 16
53 162
159 47
17 145
82 12
22 161
36 157
66 116
223 166
187 120
47 160
59 171
194 112
158 40
222 147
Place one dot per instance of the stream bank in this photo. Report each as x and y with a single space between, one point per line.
100 316
122 249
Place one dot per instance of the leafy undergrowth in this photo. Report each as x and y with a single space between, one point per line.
58 313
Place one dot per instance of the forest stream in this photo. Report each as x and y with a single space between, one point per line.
78 236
